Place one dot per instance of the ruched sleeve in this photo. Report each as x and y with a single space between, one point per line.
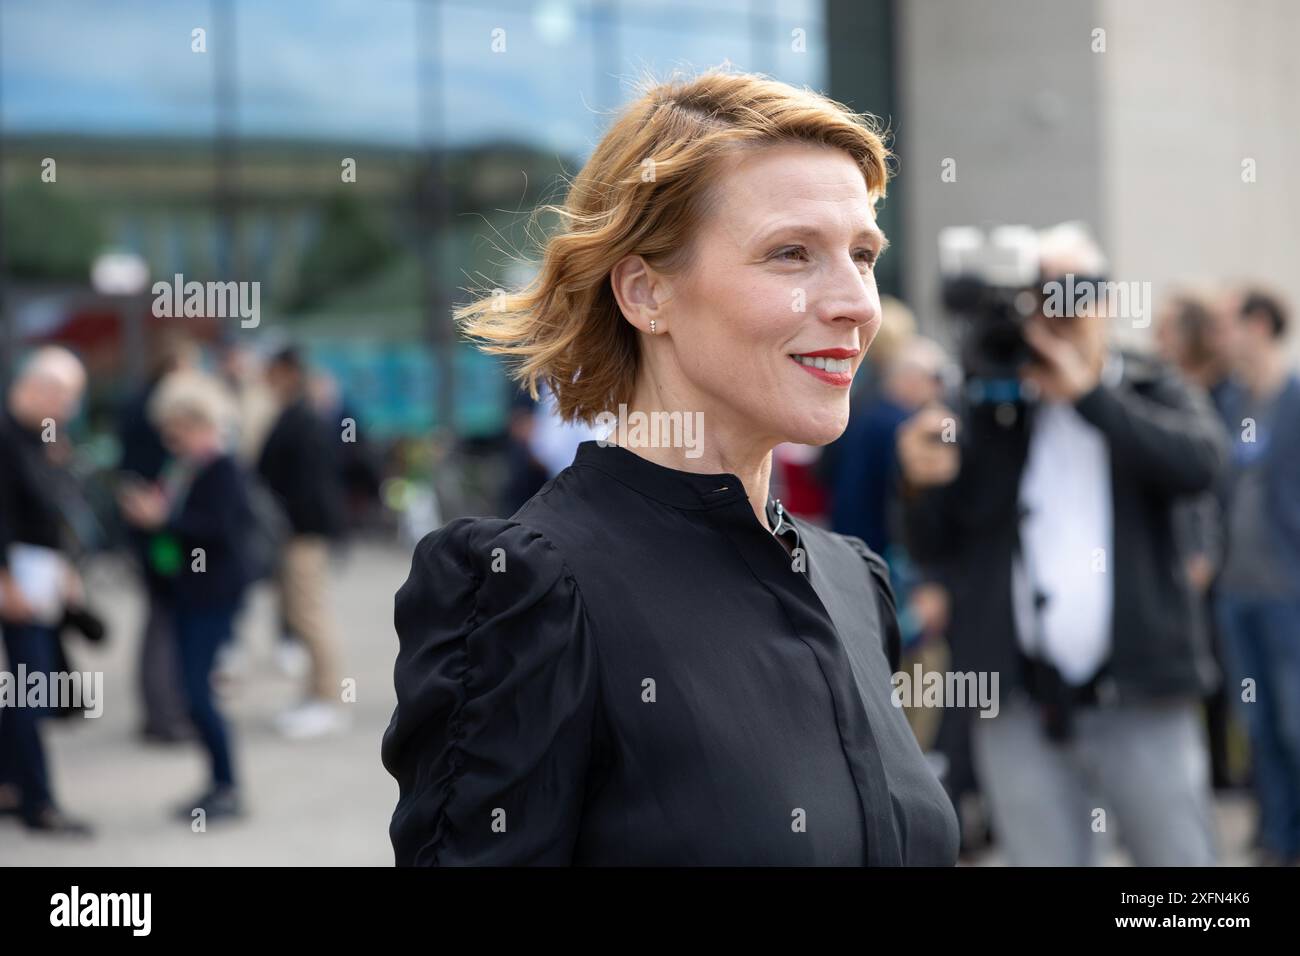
496 684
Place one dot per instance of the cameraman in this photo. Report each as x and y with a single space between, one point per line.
1050 520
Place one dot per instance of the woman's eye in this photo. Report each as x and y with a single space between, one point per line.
799 254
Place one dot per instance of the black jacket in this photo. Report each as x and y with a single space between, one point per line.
29 511
300 464
1165 444
632 671
143 451
215 516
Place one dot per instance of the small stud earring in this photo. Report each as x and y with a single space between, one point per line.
652 326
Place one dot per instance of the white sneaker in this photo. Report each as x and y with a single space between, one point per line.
315 718
232 661
230 670
292 659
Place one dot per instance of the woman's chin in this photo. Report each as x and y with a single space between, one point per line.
818 429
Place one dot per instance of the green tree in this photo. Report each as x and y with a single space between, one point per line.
49 235
349 247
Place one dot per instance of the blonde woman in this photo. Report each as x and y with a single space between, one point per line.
651 663
198 524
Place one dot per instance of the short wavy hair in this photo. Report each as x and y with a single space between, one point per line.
191 394
644 191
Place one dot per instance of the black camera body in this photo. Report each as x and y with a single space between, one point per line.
991 283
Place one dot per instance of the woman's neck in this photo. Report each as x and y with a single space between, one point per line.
721 447
754 474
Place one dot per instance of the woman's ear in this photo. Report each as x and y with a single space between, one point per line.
639 291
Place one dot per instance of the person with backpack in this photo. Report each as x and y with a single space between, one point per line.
199 521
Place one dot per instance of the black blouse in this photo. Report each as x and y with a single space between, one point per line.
633 671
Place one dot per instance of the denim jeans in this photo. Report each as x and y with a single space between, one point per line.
200 632
1261 641
22 758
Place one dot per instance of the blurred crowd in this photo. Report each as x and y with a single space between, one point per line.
247 470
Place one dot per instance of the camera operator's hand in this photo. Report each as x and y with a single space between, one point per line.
926 459
1070 357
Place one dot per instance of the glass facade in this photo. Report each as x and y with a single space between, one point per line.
213 137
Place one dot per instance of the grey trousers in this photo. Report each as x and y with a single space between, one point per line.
1144 766
163 699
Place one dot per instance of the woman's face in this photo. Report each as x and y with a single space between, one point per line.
187 437
774 316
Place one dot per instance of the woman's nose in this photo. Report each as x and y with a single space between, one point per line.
851 296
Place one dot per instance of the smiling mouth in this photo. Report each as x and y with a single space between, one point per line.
832 366
824 363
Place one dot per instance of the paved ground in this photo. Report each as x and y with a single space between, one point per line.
1234 820
325 801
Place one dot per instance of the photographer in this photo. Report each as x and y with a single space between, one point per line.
1050 517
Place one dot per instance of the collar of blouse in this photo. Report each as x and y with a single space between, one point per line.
680 489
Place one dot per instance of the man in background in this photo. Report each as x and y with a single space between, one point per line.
300 464
1053 526
1259 588
1193 334
145 458
35 580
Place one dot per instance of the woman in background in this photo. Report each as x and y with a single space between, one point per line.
199 521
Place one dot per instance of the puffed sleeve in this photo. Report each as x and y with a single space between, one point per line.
496 683
891 633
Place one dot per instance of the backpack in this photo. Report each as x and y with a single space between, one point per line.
267 533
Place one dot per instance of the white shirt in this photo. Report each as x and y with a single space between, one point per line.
1066 538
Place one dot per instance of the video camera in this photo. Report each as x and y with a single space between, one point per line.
993 283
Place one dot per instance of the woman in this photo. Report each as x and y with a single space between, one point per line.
199 521
650 663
